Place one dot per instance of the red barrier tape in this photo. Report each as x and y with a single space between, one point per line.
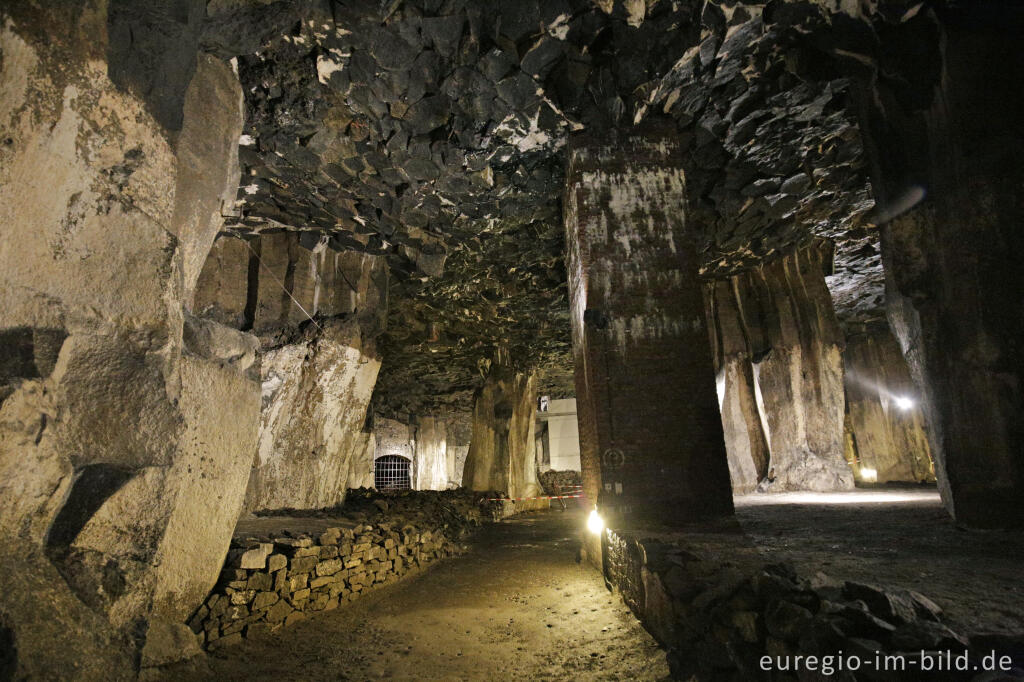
544 497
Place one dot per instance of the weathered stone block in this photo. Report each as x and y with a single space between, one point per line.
264 600
304 564
242 596
296 582
278 612
275 562
260 581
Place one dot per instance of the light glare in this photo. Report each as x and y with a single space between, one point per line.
904 403
595 524
869 475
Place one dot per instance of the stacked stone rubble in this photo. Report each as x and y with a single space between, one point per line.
559 482
269 584
719 619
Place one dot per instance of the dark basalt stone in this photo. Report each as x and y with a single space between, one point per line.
449 118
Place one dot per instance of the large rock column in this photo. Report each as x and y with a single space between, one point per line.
884 416
795 346
737 394
315 399
501 450
650 432
127 426
317 375
943 127
431 454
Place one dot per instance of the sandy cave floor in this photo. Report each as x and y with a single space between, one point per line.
519 605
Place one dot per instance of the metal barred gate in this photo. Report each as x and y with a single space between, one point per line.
391 472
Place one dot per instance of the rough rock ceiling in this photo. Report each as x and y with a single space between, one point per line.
430 132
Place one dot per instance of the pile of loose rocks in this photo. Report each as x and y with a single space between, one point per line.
723 620
276 579
458 511
559 482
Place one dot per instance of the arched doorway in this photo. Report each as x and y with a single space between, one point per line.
391 472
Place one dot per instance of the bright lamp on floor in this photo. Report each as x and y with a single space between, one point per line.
595 524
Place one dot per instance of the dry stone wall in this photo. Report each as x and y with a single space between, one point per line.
720 613
274 580
272 584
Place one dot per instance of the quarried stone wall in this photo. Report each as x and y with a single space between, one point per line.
317 312
127 427
885 424
315 399
273 579
501 451
780 379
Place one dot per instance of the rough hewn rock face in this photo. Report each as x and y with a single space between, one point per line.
778 320
393 438
459 428
360 472
126 428
501 451
431 454
432 134
315 399
745 441
952 242
318 313
886 434
273 283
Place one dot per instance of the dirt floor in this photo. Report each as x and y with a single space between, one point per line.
897 537
516 606
519 605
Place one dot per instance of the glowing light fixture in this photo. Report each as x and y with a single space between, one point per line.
595 524
869 475
904 403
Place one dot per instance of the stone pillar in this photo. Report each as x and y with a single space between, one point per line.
458 432
431 454
779 353
884 417
944 134
501 455
737 398
796 349
650 433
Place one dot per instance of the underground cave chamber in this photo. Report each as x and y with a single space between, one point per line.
327 326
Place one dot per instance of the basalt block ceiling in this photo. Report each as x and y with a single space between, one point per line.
432 133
